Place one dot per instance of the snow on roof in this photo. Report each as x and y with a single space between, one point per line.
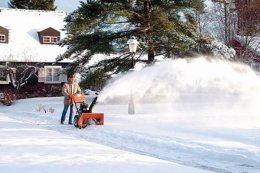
23 27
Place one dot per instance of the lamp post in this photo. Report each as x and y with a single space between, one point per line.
132 43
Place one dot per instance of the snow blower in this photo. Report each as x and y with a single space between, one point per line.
84 116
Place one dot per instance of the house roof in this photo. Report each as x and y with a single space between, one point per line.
23 27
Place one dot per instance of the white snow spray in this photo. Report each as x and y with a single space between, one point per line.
202 90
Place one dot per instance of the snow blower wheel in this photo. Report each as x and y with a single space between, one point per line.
76 119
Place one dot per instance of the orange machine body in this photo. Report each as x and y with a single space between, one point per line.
84 117
99 117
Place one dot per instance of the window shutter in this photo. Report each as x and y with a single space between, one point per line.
8 80
8 77
41 75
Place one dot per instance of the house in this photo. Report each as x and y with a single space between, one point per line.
248 15
29 38
246 41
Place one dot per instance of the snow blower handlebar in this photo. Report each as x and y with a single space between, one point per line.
77 98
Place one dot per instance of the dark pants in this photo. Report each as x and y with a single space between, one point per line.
64 112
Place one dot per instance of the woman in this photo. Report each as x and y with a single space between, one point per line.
71 87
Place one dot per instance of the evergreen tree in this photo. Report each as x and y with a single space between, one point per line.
33 4
163 27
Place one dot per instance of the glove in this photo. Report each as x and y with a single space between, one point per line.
71 96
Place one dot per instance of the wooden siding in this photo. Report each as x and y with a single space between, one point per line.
5 32
245 54
48 32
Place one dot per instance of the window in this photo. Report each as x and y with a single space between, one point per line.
50 39
2 38
54 39
46 39
2 75
52 74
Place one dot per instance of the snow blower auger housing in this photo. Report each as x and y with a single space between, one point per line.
84 116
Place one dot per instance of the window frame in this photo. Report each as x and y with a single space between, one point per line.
51 39
46 76
4 40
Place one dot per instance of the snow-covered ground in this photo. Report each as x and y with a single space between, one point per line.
34 142
190 116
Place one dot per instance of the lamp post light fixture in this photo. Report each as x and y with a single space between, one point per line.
132 43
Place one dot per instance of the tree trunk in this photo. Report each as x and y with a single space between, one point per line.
150 55
148 12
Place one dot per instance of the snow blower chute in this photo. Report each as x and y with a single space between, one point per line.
84 116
